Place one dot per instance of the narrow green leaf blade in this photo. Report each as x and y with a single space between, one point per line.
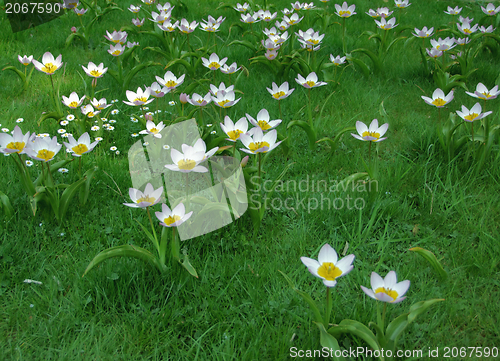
433 261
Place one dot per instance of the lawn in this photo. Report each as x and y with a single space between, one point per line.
432 185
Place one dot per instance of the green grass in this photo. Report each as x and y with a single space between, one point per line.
241 308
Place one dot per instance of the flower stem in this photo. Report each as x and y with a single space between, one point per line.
154 233
328 310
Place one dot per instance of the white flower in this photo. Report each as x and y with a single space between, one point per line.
174 217
328 267
373 133
387 289
153 129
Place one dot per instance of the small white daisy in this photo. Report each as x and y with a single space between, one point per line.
150 113
70 117
6 154
61 131
145 108
106 125
166 147
104 119
5 130
95 128
65 135
141 116
110 128
98 139
115 111
213 132
45 135
158 111
63 170
133 120
117 152
29 163
145 143
64 122
134 135
112 121
209 125
171 103
19 120
114 101
113 148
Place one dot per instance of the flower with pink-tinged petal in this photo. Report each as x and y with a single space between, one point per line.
15 143
345 11
487 30
173 218
424 33
232 130
168 26
231 69
443 44
89 111
186 27
43 149
490 9
49 65
384 12
401 3
328 267
213 62
310 82
134 9
25 60
222 87
465 28
292 20
225 99
116 37
371 134
281 92
387 289
95 71
386 25
250 19
158 91
438 99
453 11
434 53
337 60
73 101
153 129
271 54
241 8
199 101
138 98
100 104
80 147
170 80
256 141
116 50
138 22
263 121
483 93
473 114
148 198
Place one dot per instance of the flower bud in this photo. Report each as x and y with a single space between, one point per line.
183 98
149 117
73 29
244 161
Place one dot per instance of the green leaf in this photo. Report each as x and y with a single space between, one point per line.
374 58
335 141
344 184
84 191
420 307
5 204
187 265
395 329
357 329
136 69
125 251
307 298
431 258
149 235
364 68
330 342
245 43
66 198
308 128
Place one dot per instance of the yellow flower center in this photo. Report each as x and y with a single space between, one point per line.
467 31
170 28
438 102
328 271
154 130
471 117
388 292
279 94
16 145
117 52
371 134
486 94
258 145
383 27
342 13
95 73
141 99
200 101
314 41
214 64
171 219
146 199
234 134
291 22
223 102
90 114
186 164
73 104
264 125
45 154
170 83
80 149
49 68
310 83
